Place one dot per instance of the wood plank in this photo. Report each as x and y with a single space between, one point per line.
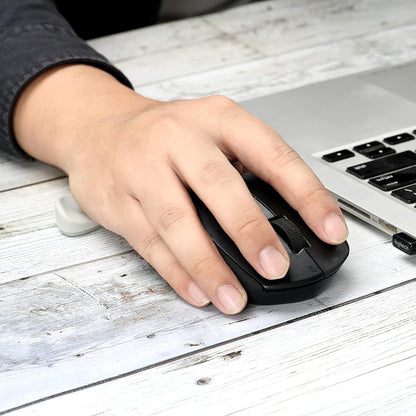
20 207
183 60
356 359
40 251
276 27
15 172
154 39
98 320
295 24
84 316
293 69
32 244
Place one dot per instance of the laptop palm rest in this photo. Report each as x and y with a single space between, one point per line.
400 80
332 113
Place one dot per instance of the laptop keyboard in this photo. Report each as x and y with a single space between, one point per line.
389 165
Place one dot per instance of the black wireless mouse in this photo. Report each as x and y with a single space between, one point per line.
312 261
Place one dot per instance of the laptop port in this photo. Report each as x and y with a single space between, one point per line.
349 207
387 227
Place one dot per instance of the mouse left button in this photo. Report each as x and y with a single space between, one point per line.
70 219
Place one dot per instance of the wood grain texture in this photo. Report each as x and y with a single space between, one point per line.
155 39
222 51
294 68
119 312
17 172
357 359
277 27
32 244
87 325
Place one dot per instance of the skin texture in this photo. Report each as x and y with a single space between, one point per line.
130 161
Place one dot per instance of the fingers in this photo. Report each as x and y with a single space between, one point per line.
224 192
141 235
178 234
262 151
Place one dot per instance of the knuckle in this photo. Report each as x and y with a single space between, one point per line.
221 102
164 126
283 155
204 266
223 109
248 226
149 244
314 194
171 272
216 173
170 218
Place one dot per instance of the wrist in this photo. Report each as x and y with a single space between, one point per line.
62 111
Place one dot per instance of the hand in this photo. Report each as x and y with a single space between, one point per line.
130 161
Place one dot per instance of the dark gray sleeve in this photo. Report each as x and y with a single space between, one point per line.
34 37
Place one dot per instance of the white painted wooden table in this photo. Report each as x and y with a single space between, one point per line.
87 327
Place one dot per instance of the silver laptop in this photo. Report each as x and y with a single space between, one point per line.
358 133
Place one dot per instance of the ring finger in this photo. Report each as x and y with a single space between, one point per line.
174 218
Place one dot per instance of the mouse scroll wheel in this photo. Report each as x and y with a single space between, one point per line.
290 233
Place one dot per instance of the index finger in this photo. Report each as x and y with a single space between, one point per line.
263 152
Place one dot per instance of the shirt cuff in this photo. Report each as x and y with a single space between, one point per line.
28 51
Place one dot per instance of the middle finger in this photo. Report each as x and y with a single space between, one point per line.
220 186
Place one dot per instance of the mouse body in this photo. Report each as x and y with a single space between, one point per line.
312 261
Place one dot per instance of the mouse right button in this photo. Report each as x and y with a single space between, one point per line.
303 269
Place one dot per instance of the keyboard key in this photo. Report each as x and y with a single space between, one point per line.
382 151
407 195
383 165
339 155
368 147
395 180
399 138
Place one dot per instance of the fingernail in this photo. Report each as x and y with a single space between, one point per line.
197 294
232 300
335 229
273 262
